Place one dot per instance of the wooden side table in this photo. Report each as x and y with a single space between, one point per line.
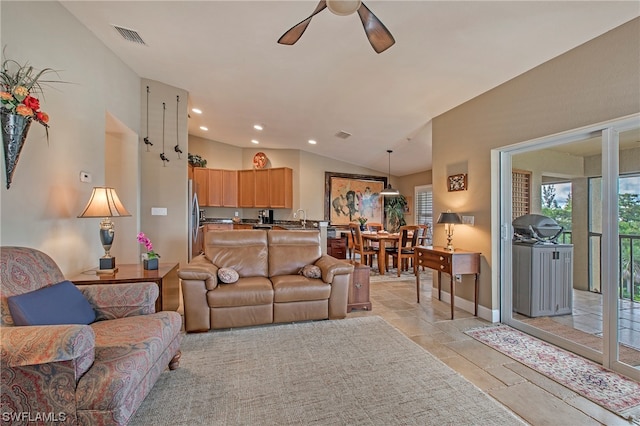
458 262
359 287
166 276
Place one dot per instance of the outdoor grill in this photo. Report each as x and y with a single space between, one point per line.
536 229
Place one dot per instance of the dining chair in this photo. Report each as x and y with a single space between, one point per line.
366 252
423 236
403 252
375 226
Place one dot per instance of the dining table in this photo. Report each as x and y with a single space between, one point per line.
382 238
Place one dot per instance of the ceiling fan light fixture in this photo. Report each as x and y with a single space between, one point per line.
343 7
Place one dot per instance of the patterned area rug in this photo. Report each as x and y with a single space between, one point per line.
356 371
606 388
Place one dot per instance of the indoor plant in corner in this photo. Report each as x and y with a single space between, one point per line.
150 260
394 208
18 108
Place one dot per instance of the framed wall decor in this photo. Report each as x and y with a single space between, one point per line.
458 182
348 197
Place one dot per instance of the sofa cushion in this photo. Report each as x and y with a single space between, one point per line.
297 288
227 275
291 250
249 291
245 251
61 303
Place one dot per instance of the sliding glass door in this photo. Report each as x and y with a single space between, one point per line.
579 295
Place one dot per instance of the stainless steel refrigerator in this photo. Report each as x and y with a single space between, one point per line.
196 229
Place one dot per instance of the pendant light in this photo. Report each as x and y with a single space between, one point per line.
388 190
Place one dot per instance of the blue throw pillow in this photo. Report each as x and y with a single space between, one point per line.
60 303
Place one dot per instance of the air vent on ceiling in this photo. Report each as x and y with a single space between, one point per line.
130 35
342 134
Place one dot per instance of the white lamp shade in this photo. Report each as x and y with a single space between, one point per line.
343 7
104 202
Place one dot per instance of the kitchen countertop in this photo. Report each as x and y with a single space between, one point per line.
290 225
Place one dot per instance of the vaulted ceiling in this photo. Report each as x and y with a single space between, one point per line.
224 53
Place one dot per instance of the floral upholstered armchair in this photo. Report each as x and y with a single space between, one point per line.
95 374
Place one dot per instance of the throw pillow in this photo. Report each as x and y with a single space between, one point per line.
228 275
311 271
61 303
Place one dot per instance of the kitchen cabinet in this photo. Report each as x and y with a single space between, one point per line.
281 188
246 188
218 227
261 197
229 188
201 183
265 188
214 189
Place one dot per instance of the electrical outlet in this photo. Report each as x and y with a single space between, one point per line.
458 278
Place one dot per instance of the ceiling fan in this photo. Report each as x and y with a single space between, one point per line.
378 35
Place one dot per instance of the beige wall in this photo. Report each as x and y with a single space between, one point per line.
40 208
595 82
164 184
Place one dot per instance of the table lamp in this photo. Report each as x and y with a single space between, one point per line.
104 203
450 220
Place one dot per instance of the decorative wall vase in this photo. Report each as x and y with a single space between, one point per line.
150 264
14 132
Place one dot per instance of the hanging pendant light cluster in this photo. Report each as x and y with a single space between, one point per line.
178 150
389 191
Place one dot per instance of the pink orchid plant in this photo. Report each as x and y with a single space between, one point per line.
142 239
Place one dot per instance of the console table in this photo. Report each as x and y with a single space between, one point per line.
166 276
458 262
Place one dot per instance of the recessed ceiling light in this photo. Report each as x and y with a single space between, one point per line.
204 128
255 141
312 142
196 110
258 126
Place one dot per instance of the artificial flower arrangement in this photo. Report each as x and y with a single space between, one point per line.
362 220
142 239
18 85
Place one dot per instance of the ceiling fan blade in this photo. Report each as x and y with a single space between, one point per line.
378 35
295 32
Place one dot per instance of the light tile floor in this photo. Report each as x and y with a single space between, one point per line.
530 395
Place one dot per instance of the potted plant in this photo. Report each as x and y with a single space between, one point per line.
394 208
150 260
362 221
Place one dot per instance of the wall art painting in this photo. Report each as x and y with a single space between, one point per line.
348 197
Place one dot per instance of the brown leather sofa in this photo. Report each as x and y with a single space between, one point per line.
270 288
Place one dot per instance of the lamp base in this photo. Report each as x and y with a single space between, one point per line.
107 262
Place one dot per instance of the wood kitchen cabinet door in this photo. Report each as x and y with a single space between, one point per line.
229 188
281 188
261 194
201 182
215 188
246 188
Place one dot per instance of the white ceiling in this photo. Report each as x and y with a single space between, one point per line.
224 53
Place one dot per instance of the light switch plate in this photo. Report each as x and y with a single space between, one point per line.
468 220
158 211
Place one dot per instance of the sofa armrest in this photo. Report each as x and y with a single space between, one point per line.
330 267
200 269
112 301
42 344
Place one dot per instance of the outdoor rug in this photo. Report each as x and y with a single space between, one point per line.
356 371
611 390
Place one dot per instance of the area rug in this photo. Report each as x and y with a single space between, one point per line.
356 371
628 355
606 388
